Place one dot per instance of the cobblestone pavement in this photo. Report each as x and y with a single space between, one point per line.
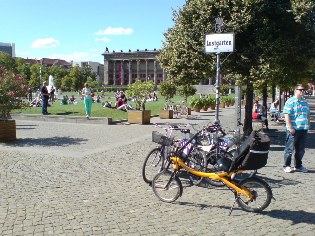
79 179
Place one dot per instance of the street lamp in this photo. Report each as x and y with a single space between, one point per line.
40 74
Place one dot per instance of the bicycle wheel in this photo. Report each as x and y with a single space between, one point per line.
167 186
197 160
211 163
153 164
261 191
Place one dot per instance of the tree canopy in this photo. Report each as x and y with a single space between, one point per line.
273 42
35 74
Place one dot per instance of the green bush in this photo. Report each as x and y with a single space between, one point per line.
197 103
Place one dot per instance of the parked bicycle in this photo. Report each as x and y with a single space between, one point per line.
157 157
251 194
181 109
202 155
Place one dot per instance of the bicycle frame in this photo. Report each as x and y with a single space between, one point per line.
222 176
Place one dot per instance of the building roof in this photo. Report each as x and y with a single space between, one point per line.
48 62
52 62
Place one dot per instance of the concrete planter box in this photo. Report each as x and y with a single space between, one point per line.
139 117
166 114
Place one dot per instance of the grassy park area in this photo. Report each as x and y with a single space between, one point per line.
97 110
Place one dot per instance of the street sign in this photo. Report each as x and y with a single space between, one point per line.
217 43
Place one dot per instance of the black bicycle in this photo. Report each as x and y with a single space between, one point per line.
157 157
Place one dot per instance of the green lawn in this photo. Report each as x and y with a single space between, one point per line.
97 110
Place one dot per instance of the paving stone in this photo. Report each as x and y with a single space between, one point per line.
85 179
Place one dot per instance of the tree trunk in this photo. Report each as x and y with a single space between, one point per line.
265 95
273 92
248 127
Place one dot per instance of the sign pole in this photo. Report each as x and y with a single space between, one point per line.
217 90
238 106
217 43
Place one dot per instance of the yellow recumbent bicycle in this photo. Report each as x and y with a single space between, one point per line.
251 194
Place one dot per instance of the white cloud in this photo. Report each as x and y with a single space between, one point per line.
45 43
104 39
115 31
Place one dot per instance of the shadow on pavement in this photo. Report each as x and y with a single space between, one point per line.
277 137
26 126
53 141
201 206
296 217
67 113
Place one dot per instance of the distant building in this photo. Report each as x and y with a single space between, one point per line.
124 68
8 48
97 67
48 62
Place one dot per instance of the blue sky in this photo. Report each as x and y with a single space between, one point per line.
81 30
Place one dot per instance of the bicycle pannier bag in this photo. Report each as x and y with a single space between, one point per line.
257 155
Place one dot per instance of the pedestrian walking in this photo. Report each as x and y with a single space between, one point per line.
30 94
87 94
297 117
45 97
52 94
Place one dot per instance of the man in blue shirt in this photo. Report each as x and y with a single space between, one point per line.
45 96
297 117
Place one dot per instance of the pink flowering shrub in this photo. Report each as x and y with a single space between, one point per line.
12 92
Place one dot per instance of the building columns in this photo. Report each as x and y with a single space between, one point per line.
106 72
146 70
122 73
154 70
138 69
130 72
114 72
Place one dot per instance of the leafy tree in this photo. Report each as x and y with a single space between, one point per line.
23 69
7 61
77 78
92 83
186 90
66 83
167 90
35 76
58 72
274 42
88 72
141 91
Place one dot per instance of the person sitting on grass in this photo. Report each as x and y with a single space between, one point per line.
64 101
98 99
107 104
36 102
122 104
72 100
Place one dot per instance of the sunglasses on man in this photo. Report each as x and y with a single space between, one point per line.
302 90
